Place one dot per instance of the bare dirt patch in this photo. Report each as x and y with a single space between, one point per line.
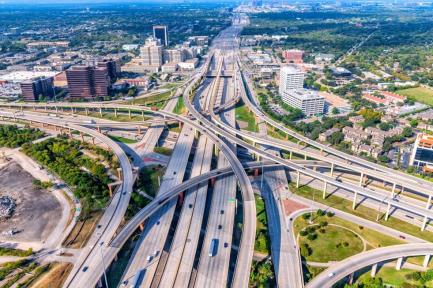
55 277
37 211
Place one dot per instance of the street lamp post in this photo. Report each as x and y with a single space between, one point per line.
103 264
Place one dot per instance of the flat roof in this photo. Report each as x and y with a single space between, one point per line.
20 76
304 94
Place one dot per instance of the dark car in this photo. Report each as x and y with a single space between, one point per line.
220 227
85 268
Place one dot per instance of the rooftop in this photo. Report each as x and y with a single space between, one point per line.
20 76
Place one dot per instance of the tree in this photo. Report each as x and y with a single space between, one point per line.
407 132
335 111
413 123
336 138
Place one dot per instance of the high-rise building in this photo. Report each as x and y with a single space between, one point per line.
113 68
308 101
151 53
160 32
291 78
88 82
34 89
173 55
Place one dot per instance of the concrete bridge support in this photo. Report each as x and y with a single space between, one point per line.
427 206
373 270
115 113
424 223
298 178
393 190
142 115
325 186
354 200
388 210
361 180
399 263
426 260
100 112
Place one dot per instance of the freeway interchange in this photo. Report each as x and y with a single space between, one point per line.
178 255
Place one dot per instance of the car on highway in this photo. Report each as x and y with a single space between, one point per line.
213 249
330 275
85 268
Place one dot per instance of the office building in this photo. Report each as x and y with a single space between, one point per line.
160 32
173 55
35 89
113 68
308 101
151 53
422 153
291 78
88 82
293 56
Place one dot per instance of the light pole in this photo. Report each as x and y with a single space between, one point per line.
103 264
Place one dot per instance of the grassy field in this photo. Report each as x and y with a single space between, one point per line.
122 139
373 238
82 231
180 107
55 277
419 94
333 243
163 151
121 117
262 243
243 115
148 180
157 100
361 211
310 272
390 276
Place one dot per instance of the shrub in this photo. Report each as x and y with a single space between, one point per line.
320 212
323 224
361 227
345 244
312 236
322 231
303 233
306 216
330 214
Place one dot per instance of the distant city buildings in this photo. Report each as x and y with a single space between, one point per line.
160 32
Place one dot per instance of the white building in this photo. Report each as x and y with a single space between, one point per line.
151 53
309 101
291 78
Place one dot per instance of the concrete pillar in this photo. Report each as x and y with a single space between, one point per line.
291 155
354 200
129 114
325 186
98 128
119 173
46 108
87 111
196 133
427 206
115 113
388 209
426 260
305 156
141 226
82 136
393 190
399 263
424 223
34 108
142 115
373 270
100 112
298 178
332 169
93 140
287 137
215 150
361 179
110 190
139 129
256 172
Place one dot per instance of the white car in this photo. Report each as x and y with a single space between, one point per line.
331 274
